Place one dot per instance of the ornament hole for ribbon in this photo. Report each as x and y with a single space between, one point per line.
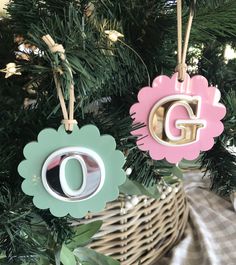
73 174
180 80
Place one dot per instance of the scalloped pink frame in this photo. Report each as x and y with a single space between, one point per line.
211 112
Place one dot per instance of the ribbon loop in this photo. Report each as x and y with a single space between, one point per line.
68 120
182 51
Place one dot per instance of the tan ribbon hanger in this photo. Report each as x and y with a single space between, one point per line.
68 118
182 51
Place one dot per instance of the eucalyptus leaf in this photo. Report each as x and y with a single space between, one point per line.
185 164
90 257
169 180
67 256
58 256
132 187
2 255
42 261
177 172
83 234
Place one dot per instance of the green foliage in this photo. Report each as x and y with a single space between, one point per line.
107 78
43 241
213 24
67 257
23 229
88 256
221 164
83 234
136 188
152 190
220 161
73 252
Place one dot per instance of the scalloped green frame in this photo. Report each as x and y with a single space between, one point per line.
50 140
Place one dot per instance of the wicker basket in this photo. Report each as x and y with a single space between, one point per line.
144 233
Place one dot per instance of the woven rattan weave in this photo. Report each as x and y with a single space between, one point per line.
144 233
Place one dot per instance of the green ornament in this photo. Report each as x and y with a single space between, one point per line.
72 173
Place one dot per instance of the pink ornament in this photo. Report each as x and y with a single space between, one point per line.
180 118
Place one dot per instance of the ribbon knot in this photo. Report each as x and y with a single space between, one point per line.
181 68
52 45
57 48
